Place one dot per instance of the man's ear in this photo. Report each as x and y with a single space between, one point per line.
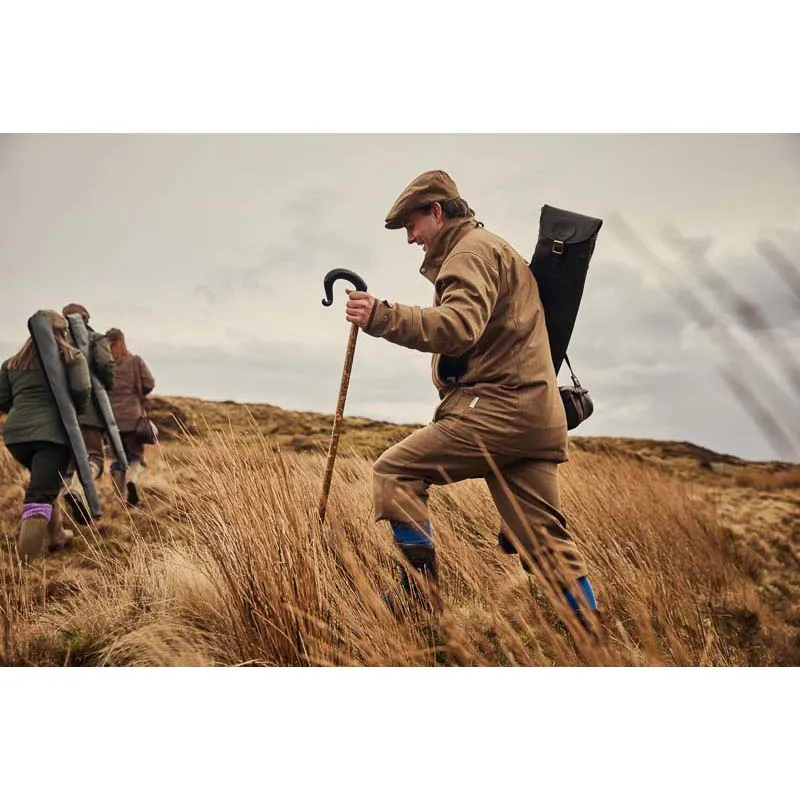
436 210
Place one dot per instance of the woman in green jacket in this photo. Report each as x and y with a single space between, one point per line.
35 436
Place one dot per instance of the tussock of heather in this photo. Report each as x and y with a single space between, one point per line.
226 563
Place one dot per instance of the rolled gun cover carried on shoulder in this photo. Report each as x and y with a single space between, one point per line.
80 336
41 330
560 263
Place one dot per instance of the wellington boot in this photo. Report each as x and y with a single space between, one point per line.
505 544
75 496
32 535
132 494
77 507
132 478
422 558
58 537
118 479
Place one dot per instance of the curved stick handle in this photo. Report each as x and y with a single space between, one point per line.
346 274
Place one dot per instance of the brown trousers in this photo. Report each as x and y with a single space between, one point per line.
93 439
449 450
134 449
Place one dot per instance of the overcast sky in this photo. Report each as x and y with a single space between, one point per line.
209 252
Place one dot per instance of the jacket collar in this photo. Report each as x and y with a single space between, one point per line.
451 233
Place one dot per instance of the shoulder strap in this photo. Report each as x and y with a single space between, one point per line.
574 376
137 376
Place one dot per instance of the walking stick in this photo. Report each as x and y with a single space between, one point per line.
361 286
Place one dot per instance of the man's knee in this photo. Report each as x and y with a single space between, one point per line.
384 488
397 494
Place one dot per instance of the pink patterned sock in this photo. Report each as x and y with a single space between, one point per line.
37 510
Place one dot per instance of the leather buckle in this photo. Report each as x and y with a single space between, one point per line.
558 247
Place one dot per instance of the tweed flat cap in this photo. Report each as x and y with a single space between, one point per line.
430 187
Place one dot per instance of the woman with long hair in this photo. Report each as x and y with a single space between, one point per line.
133 381
35 435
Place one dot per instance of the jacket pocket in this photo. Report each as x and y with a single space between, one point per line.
458 403
449 369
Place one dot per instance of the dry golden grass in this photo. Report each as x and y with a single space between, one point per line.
298 431
788 478
226 563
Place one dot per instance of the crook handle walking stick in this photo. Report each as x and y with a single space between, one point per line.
361 286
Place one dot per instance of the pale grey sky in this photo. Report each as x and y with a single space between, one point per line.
209 252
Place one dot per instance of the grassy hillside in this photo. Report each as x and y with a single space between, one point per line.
694 557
